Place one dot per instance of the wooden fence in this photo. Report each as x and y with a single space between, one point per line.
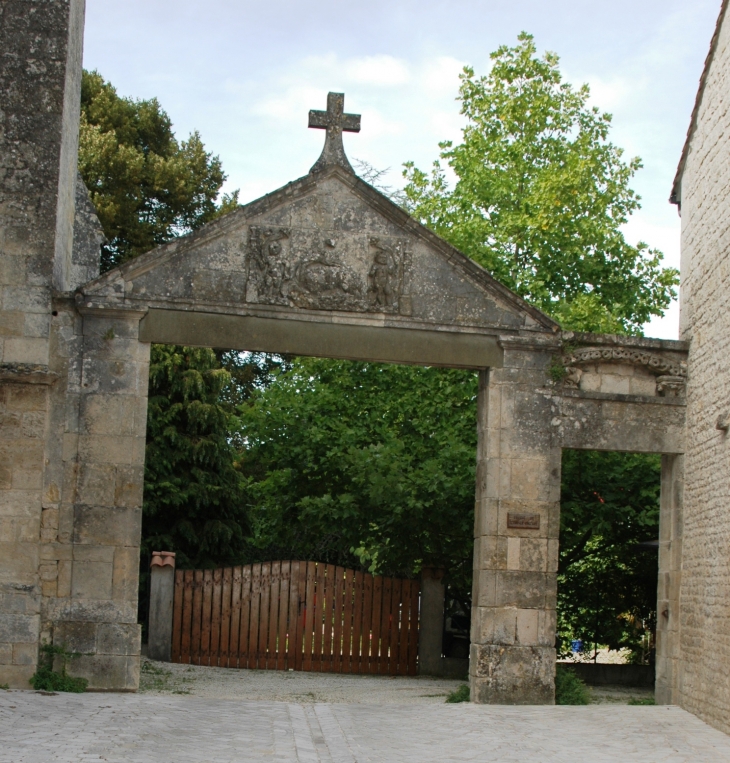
296 615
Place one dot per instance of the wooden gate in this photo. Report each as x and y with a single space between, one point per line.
296 615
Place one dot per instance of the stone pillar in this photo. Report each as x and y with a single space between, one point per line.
670 578
104 448
431 627
40 82
162 592
517 525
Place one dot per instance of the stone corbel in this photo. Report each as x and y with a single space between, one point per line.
671 386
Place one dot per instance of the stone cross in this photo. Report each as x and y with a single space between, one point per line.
334 120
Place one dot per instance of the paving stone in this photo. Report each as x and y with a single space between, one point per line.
133 728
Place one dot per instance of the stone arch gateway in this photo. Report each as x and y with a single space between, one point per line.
324 266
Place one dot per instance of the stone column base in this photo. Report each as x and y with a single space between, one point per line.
110 653
512 675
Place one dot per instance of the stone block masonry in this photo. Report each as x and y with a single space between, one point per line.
698 618
516 532
40 44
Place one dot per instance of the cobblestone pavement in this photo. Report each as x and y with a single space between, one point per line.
129 728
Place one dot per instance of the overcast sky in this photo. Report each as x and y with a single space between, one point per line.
245 74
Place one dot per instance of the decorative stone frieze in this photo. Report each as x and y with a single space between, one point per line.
654 363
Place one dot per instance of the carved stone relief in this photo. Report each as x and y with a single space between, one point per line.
583 371
671 386
269 269
387 278
654 363
318 270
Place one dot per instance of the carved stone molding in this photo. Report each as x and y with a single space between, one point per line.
656 364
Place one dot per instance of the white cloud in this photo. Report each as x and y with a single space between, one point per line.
666 238
378 125
440 76
292 104
609 95
400 100
382 71
666 327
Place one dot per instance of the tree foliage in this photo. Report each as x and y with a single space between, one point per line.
195 497
540 197
148 188
607 582
365 463
145 185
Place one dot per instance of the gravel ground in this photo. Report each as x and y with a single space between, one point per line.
163 678
620 695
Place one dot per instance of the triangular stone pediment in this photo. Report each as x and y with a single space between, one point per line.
325 248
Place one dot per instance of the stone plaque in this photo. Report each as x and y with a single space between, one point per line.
523 521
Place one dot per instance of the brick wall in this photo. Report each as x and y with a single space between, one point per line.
704 676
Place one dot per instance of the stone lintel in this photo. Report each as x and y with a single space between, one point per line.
532 343
330 340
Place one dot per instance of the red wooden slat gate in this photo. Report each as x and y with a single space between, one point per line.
296 615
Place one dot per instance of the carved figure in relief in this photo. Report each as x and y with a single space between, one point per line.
274 269
325 282
383 276
317 271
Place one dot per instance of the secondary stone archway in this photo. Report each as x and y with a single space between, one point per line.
324 266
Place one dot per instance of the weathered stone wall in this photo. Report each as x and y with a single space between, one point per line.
529 410
622 393
517 524
40 70
671 529
704 680
90 539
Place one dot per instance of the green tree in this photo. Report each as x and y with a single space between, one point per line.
195 497
363 463
607 581
540 197
146 186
